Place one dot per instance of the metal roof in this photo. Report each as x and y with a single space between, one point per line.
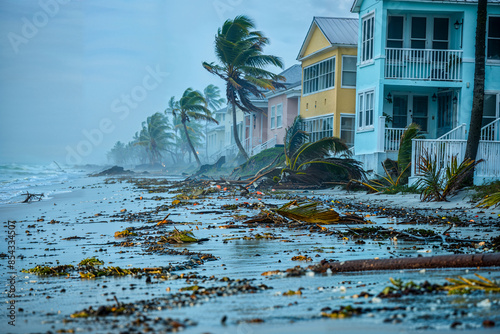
338 30
293 75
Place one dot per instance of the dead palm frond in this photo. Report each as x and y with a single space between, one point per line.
311 213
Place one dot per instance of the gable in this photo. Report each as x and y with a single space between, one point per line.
317 41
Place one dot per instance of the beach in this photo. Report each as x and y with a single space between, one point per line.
199 284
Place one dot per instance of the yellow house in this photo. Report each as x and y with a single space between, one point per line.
328 57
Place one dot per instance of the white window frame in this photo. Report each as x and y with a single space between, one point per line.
308 81
344 70
403 32
353 116
364 108
273 116
495 93
315 127
364 57
490 60
279 116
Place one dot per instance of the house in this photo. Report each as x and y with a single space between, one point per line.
416 64
328 59
283 106
215 135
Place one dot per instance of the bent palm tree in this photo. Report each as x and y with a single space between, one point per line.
154 136
315 162
190 106
242 63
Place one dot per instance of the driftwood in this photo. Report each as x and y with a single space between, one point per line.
441 261
31 197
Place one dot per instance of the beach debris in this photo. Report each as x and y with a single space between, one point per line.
62 270
440 261
125 233
492 200
115 170
187 298
31 197
301 258
463 285
309 212
343 312
179 237
292 293
400 288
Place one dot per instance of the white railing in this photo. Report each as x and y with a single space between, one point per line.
445 150
393 138
491 131
489 151
457 133
264 146
423 64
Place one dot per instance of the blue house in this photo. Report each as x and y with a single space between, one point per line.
416 64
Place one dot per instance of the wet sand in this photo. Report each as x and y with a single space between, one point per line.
81 224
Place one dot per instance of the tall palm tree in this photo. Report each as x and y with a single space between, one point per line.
190 106
213 101
241 65
155 136
476 116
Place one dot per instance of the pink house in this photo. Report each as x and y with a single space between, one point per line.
283 105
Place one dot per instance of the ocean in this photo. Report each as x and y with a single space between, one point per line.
17 179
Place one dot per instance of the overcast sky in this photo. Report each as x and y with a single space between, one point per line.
79 75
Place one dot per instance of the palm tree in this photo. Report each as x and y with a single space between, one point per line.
478 93
213 101
315 162
242 63
155 136
190 106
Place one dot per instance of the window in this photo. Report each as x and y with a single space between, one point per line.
367 38
440 33
418 32
420 111
279 115
349 71
273 116
319 127
365 109
395 31
491 108
319 76
493 43
347 129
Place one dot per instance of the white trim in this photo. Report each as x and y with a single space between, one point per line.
306 81
368 16
361 114
280 126
342 71
272 117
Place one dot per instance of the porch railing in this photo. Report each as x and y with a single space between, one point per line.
264 146
457 133
423 64
392 138
491 131
445 150
441 150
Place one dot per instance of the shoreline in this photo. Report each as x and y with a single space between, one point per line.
81 224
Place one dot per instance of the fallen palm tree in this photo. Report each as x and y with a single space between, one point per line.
441 261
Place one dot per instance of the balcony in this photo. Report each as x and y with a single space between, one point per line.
423 64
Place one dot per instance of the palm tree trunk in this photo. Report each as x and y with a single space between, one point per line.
235 133
191 144
476 116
